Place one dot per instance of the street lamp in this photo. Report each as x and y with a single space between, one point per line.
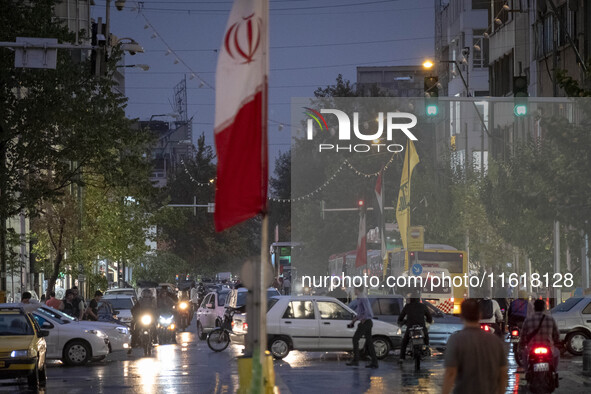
144 67
427 64
172 115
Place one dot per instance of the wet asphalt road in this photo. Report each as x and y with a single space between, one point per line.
191 367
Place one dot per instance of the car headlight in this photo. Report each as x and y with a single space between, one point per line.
20 354
146 320
122 330
399 332
183 305
98 333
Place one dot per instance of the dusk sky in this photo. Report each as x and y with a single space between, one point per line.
311 42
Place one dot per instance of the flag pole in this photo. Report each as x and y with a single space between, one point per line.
258 383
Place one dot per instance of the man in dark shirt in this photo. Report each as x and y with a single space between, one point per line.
92 310
475 360
69 308
415 313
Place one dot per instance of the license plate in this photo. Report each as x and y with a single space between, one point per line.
2 364
541 367
418 341
514 340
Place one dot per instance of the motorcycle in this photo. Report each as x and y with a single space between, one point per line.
514 340
166 329
184 315
487 327
417 345
540 374
219 338
146 323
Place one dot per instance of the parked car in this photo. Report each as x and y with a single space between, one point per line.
388 307
121 291
573 318
122 304
74 342
23 347
319 323
210 311
237 300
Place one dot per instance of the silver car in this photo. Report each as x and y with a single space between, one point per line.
573 318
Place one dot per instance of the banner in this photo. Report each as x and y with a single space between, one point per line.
411 159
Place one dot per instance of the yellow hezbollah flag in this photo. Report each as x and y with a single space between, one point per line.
411 159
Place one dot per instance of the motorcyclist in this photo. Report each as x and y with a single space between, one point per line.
416 314
519 310
490 313
540 329
145 305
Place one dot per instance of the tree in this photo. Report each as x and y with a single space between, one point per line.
280 185
59 127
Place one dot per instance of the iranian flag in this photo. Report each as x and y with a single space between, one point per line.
240 125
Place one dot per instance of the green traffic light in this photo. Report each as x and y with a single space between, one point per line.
432 110
520 110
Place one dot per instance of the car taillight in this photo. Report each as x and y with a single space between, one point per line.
232 323
245 326
486 328
541 350
515 333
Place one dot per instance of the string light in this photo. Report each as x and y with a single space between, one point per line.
346 163
201 184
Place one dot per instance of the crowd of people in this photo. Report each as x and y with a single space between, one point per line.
73 304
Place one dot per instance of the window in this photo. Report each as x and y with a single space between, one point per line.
206 300
333 311
222 298
299 310
567 305
120 303
14 324
587 310
389 306
479 57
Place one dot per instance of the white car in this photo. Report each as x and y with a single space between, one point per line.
73 342
211 309
121 291
118 334
318 323
573 318
122 303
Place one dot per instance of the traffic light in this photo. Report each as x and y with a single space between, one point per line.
520 95
431 90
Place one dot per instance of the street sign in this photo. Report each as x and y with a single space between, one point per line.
417 269
36 53
416 240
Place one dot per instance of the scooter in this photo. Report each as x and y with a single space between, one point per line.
514 333
184 315
540 374
146 338
417 345
166 329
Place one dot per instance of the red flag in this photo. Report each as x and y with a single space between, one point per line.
380 197
240 125
361 256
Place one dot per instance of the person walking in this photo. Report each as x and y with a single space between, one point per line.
475 360
54 302
68 301
286 286
365 316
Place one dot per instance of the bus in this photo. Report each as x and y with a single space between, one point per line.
434 259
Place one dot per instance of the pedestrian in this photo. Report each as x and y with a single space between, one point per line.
26 297
475 360
286 286
68 302
78 301
365 316
92 310
54 302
